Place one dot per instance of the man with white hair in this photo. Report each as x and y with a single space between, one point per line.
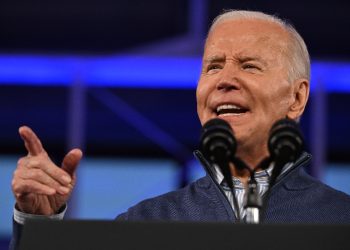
256 70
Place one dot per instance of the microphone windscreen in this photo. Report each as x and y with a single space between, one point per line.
285 141
217 139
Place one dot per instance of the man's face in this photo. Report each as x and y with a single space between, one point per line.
244 79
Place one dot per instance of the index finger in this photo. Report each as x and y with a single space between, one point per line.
31 141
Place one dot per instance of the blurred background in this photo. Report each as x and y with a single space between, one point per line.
117 79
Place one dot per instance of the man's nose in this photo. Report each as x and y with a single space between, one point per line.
229 79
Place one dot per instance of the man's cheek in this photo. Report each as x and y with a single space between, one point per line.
201 98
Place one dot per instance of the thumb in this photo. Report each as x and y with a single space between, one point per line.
71 160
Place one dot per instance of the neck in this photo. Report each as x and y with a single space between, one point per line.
252 158
252 154
242 174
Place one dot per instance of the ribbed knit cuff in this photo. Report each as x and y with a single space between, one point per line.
21 217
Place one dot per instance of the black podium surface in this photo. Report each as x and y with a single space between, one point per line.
105 235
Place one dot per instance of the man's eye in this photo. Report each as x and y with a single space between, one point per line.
249 66
213 67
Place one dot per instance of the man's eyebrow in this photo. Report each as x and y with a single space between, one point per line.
214 59
239 58
251 58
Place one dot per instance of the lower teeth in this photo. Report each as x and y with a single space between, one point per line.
228 114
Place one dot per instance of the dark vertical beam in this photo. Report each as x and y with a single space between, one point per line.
197 31
318 128
197 17
76 126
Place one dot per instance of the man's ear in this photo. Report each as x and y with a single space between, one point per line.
301 95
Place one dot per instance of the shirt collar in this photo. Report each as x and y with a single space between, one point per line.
261 176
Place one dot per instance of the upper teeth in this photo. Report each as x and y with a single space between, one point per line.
227 106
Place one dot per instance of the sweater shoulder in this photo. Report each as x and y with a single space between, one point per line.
325 189
188 203
305 199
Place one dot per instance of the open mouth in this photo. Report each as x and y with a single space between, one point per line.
230 109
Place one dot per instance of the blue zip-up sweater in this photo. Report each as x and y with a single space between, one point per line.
295 198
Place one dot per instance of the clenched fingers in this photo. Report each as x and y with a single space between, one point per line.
22 175
23 187
41 172
44 163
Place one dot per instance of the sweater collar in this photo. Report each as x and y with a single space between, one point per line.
291 183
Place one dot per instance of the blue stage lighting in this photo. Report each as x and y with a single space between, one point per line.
136 71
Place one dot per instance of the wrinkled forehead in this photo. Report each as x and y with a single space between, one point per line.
248 33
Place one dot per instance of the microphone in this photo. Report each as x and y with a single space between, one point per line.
219 145
217 140
285 144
